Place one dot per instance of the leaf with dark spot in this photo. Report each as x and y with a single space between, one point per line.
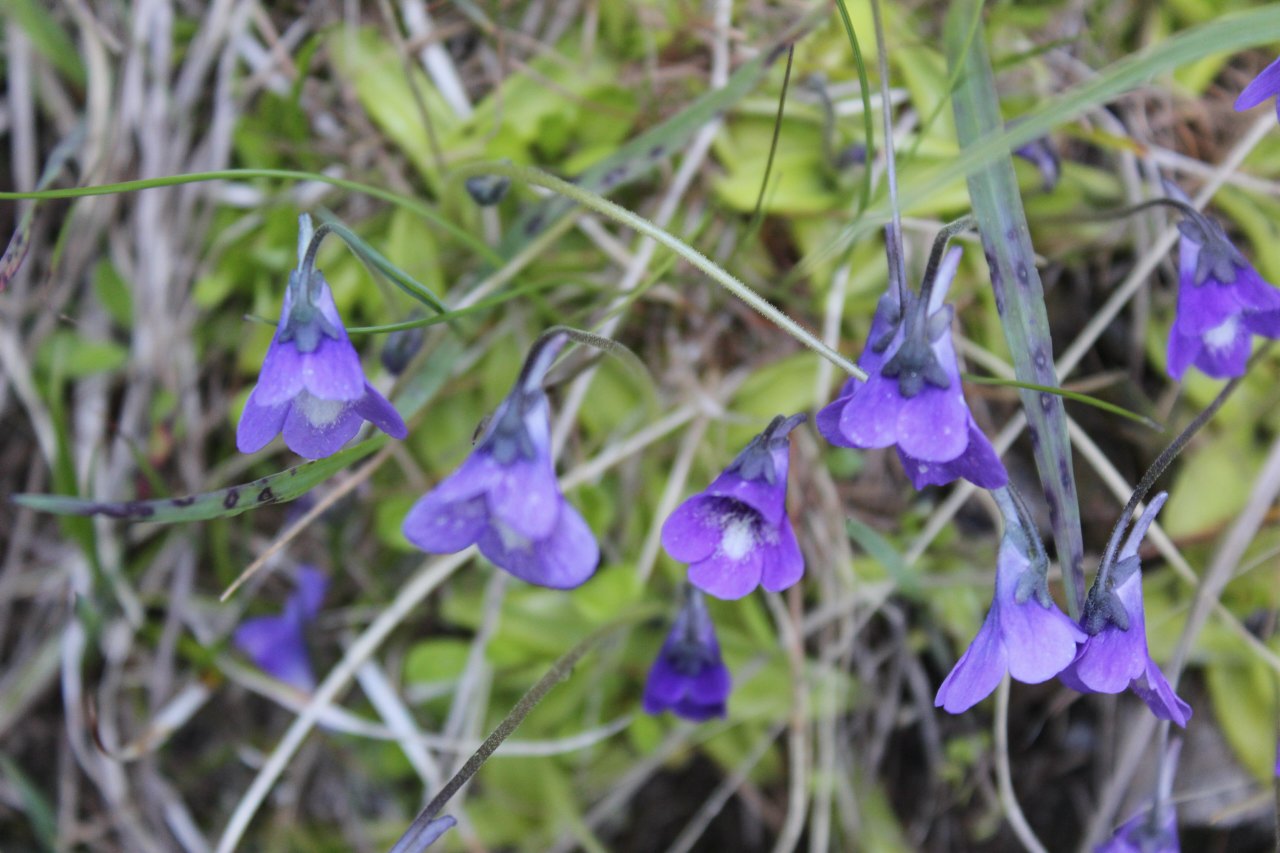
276 488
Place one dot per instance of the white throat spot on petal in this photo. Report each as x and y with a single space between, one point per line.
739 536
318 412
1222 335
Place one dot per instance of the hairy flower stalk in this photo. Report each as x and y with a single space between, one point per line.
688 677
913 399
277 644
505 497
312 388
1115 657
735 534
1024 634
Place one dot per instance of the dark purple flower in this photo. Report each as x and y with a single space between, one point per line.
1115 656
1024 634
912 397
277 644
1265 85
505 497
735 534
312 388
1222 302
688 678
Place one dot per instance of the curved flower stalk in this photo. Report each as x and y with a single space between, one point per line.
277 644
735 534
912 398
1024 634
1265 85
505 498
312 388
688 677
1222 303
1115 655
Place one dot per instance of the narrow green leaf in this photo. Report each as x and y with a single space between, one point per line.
882 551
997 206
224 503
48 37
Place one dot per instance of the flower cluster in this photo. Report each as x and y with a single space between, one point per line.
312 388
735 534
912 398
505 497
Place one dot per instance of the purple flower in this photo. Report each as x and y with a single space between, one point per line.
312 387
735 534
418 838
1222 302
505 497
912 397
1146 832
1155 829
1265 85
1024 634
1115 656
688 678
277 644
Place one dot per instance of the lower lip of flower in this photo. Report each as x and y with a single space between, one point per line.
318 412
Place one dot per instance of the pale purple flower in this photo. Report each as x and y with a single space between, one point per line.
505 498
1115 656
735 534
419 838
1222 303
277 644
312 388
912 398
1024 634
1265 85
688 677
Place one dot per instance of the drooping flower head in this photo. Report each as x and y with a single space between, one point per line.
1155 828
312 387
688 678
1222 303
505 498
912 398
735 534
1024 634
1115 656
277 644
1265 85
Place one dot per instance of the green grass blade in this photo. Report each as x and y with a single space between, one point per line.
997 206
